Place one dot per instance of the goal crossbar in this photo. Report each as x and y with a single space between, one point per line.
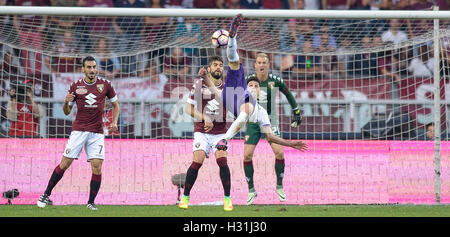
158 12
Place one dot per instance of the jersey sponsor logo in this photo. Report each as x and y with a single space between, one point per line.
90 101
100 87
81 91
213 107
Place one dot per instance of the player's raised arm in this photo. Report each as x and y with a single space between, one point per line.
68 104
203 73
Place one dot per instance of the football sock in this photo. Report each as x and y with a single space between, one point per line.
248 171
191 176
96 180
279 171
54 179
232 53
237 124
224 175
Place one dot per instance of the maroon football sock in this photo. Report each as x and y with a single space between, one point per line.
191 176
96 181
225 176
54 179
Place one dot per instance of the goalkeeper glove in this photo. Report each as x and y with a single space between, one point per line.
297 120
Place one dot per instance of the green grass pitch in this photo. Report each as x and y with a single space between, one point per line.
239 211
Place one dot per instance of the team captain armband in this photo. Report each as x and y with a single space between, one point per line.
114 99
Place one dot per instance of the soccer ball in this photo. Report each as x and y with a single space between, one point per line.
219 38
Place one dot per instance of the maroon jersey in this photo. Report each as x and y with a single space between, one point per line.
90 100
205 102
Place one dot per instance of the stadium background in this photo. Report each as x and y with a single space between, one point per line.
362 171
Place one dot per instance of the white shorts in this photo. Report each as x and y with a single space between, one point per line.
204 142
94 145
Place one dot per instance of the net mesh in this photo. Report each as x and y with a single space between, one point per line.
354 80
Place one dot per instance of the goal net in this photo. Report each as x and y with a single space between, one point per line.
366 89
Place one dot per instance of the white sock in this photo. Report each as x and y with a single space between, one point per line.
236 126
232 53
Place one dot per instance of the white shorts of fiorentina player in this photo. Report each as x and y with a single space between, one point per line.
93 143
205 141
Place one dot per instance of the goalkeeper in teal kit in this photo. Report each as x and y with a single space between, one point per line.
269 84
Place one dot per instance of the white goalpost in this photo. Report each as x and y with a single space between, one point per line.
369 85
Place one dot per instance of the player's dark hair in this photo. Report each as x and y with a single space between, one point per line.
253 78
214 58
428 125
88 58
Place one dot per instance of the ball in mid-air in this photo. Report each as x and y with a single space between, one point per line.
219 38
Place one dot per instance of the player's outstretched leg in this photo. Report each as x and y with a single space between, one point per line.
237 20
232 54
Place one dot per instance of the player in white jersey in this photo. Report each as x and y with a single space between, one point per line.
261 117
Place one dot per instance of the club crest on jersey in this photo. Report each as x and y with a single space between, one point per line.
100 87
271 85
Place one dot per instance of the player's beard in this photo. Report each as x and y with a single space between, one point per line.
217 75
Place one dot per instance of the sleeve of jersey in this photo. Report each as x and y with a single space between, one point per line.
111 93
284 89
263 118
191 99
